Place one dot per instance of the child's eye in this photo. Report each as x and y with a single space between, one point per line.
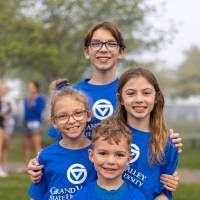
147 93
130 93
121 155
102 153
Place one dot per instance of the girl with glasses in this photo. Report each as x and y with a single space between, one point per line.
66 164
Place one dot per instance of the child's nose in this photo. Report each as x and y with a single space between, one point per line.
71 119
111 159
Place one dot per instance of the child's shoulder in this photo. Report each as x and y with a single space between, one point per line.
49 149
134 194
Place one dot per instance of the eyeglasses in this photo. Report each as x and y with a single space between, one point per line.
63 118
96 45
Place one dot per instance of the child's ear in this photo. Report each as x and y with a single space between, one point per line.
121 54
90 153
86 53
53 123
89 116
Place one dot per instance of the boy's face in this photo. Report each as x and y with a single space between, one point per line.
103 59
110 160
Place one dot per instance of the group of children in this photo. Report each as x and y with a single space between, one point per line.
130 156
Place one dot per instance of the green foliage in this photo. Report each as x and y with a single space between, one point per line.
44 39
188 76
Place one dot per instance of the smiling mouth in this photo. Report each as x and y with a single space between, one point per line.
72 128
139 109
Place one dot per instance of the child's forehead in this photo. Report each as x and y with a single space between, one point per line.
69 101
102 33
106 142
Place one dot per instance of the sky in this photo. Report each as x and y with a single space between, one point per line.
185 15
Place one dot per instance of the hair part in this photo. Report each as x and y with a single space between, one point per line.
111 131
157 125
111 27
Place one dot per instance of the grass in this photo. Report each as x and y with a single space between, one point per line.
187 191
15 187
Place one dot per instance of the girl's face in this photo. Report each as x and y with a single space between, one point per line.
70 117
103 59
138 98
110 160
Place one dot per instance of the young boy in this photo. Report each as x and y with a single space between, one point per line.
110 153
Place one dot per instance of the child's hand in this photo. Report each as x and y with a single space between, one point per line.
170 181
177 140
34 170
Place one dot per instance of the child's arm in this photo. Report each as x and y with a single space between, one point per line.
177 140
161 197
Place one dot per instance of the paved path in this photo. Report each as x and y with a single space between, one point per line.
186 176
189 176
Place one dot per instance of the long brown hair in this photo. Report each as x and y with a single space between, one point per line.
157 125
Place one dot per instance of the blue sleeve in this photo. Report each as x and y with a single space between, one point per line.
171 162
37 191
54 133
39 105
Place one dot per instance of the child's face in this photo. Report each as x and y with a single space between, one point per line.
138 98
110 160
70 117
103 59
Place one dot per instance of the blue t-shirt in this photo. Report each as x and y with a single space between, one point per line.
147 178
65 172
93 192
102 100
34 112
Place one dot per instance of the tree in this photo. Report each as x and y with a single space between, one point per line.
49 33
188 76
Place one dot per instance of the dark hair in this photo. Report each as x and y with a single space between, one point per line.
36 84
111 27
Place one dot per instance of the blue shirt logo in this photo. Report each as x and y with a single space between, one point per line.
102 109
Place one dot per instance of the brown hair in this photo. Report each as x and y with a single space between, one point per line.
157 124
111 27
110 130
66 91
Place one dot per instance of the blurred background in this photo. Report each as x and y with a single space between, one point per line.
42 40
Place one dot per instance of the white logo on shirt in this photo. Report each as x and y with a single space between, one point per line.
76 174
102 109
135 152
